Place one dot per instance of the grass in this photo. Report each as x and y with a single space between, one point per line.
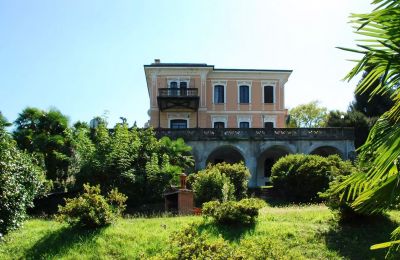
294 232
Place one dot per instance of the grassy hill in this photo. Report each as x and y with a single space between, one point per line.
293 232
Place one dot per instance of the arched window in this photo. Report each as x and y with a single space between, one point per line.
178 123
268 94
219 95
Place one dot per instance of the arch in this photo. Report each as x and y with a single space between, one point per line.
225 153
326 150
267 159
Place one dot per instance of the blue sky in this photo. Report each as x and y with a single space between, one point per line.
87 57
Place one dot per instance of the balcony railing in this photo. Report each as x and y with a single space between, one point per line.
200 134
186 98
178 92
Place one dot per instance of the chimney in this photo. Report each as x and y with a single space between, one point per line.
183 181
156 61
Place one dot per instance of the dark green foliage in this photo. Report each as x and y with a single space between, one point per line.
239 176
44 132
221 182
130 159
300 177
91 209
244 211
178 151
342 208
21 180
211 184
370 104
351 118
3 122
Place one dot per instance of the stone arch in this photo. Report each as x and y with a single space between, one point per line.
225 153
326 150
267 159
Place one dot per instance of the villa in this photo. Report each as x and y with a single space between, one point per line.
234 115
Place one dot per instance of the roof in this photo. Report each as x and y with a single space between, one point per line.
204 65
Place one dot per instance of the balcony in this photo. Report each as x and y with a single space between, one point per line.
186 98
235 134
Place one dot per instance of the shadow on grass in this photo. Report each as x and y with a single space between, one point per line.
60 241
353 240
231 233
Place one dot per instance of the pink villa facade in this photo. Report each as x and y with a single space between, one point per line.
229 98
233 115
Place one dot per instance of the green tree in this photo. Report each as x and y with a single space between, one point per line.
44 133
21 180
131 159
308 115
3 121
178 151
351 118
378 188
369 104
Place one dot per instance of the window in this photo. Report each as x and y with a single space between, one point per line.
219 124
268 94
178 123
219 94
269 125
244 125
183 87
178 87
244 94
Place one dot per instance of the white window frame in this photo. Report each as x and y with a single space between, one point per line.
178 82
186 119
266 84
244 83
215 83
219 118
268 118
180 116
247 119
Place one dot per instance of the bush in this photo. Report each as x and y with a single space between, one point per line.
300 177
239 176
21 180
210 184
189 244
91 209
341 206
221 182
233 212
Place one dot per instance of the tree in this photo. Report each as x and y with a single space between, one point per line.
371 105
3 122
378 188
308 115
45 133
21 180
351 118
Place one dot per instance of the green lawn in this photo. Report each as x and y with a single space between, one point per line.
306 232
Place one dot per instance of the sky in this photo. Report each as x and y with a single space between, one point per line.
86 58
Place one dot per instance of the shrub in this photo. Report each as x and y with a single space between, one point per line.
92 209
233 212
188 243
341 206
221 182
21 180
239 176
210 184
300 177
